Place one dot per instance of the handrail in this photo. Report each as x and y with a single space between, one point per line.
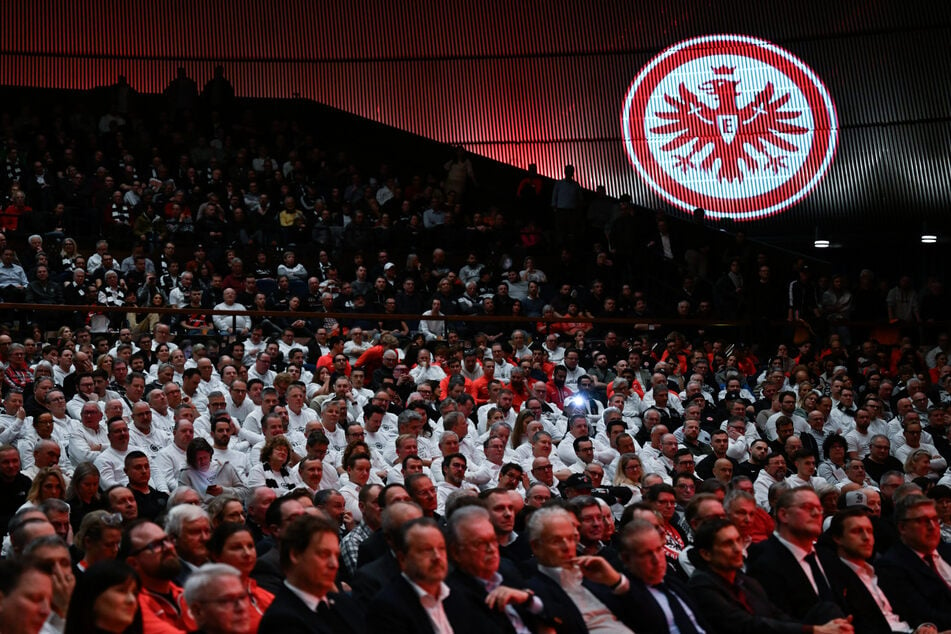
635 322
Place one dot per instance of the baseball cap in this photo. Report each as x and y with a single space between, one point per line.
855 499
577 481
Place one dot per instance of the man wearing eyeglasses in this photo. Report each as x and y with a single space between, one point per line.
915 577
786 564
569 586
854 537
218 600
151 553
492 592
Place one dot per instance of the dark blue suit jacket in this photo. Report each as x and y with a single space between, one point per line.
472 594
560 611
397 610
788 587
855 597
638 609
915 591
287 614
725 614
370 579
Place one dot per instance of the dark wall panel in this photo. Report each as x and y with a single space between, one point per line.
533 81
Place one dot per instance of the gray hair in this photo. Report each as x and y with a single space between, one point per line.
43 365
200 584
463 516
53 505
608 411
44 444
494 429
634 529
218 504
43 542
181 514
538 520
175 499
734 496
406 416
451 419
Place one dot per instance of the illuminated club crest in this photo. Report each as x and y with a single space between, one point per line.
730 123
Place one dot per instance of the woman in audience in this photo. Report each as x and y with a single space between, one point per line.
106 599
520 433
48 483
273 470
832 470
629 472
232 543
82 495
224 509
98 538
177 359
162 354
918 469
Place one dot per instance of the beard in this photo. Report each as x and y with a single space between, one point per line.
169 568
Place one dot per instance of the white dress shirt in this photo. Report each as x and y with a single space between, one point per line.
434 607
866 575
597 616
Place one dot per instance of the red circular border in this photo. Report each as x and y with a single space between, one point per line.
740 208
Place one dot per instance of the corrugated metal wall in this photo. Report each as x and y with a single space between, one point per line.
534 81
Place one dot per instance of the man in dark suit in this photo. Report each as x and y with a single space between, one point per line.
853 579
268 571
371 578
656 602
418 601
786 564
491 593
568 585
305 603
915 577
734 603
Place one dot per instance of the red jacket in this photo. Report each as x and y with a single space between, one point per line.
159 616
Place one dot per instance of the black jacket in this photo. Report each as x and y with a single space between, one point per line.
785 582
725 614
397 610
560 611
856 600
370 579
287 614
916 593
638 609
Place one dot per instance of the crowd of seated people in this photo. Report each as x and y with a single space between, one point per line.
280 471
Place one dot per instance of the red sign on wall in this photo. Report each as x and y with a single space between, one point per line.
733 124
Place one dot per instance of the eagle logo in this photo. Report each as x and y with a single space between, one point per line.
730 123
760 124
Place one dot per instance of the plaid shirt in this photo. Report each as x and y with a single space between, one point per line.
350 545
20 378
